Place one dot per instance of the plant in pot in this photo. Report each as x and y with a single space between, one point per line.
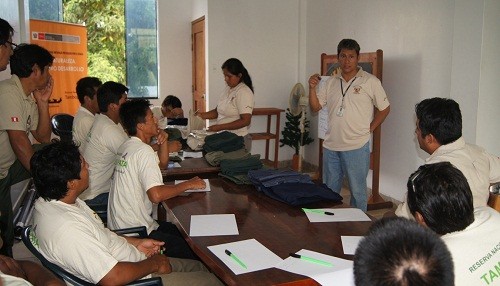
293 137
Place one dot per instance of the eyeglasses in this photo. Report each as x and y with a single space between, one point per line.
11 44
413 178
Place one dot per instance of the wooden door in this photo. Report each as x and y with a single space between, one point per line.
198 50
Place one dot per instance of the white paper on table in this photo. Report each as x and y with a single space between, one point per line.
350 243
251 252
343 277
187 154
343 214
214 224
206 189
309 269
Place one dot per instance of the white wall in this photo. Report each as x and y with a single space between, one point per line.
174 37
264 35
489 83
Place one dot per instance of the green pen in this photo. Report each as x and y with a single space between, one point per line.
317 211
310 259
235 258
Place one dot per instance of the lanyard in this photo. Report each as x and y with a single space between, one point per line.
342 88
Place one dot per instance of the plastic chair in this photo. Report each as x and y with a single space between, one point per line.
28 239
62 125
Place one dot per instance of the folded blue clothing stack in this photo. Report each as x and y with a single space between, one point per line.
267 178
291 187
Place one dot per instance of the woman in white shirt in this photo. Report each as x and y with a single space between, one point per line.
234 110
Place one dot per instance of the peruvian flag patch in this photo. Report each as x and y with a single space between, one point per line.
14 119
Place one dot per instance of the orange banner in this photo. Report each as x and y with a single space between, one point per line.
68 44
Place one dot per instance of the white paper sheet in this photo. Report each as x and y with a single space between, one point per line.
343 277
303 267
206 189
214 224
251 252
187 154
350 243
343 214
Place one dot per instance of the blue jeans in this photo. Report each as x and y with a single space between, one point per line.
355 165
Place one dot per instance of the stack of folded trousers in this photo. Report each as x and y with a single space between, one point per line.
215 157
291 187
263 179
224 141
236 170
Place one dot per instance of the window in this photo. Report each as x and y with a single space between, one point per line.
115 28
141 48
50 10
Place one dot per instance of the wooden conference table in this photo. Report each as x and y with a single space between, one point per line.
279 227
189 168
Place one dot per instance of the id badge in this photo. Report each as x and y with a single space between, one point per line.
340 112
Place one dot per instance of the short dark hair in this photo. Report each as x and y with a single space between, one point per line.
172 101
348 44
86 87
440 117
53 167
132 113
109 92
235 67
26 56
6 31
400 252
441 194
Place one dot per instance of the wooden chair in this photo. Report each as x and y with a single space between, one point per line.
371 63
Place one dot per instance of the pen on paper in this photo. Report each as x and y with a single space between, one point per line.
312 260
317 211
235 258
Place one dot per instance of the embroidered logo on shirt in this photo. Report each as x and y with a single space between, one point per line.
357 88
14 119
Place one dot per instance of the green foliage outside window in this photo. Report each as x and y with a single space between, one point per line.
106 35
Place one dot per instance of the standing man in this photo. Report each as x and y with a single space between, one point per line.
137 181
24 109
439 133
349 97
86 90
